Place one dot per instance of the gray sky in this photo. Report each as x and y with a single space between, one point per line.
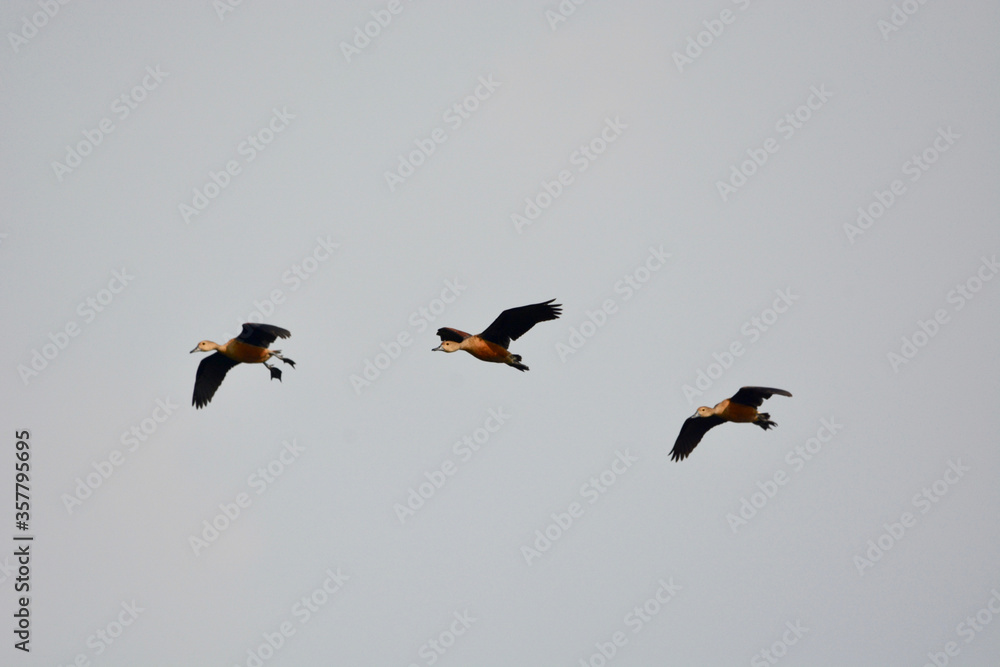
720 194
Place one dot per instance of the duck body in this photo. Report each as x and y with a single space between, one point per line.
478 347
735 412
245 353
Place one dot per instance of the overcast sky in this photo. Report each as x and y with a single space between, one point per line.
719 193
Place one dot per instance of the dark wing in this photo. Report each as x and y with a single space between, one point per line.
514 322
448 333
755 395
211 372
261 335
691 434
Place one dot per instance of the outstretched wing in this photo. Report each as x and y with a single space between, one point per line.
261 335
693 430
514 322
211 371
756 395
447 333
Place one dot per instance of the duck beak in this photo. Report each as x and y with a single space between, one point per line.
194 350
437 349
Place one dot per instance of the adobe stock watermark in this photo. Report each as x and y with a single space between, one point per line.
562 12
249 149
752 504
635 620
914 168
626 286
303 611
959 296
363 35
259 481
454 116
30 25
968 630
898 17
434 648
88 310
121 108
751 330
419 320
786 126
592 490
794 631
581 158
137 435
223 7
697 43
435 479
924 501
104 637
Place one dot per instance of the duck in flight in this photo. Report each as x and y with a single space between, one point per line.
742 407
250 347
491 344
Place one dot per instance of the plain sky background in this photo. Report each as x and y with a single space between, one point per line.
888 95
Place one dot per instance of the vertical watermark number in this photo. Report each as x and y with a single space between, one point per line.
22 541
